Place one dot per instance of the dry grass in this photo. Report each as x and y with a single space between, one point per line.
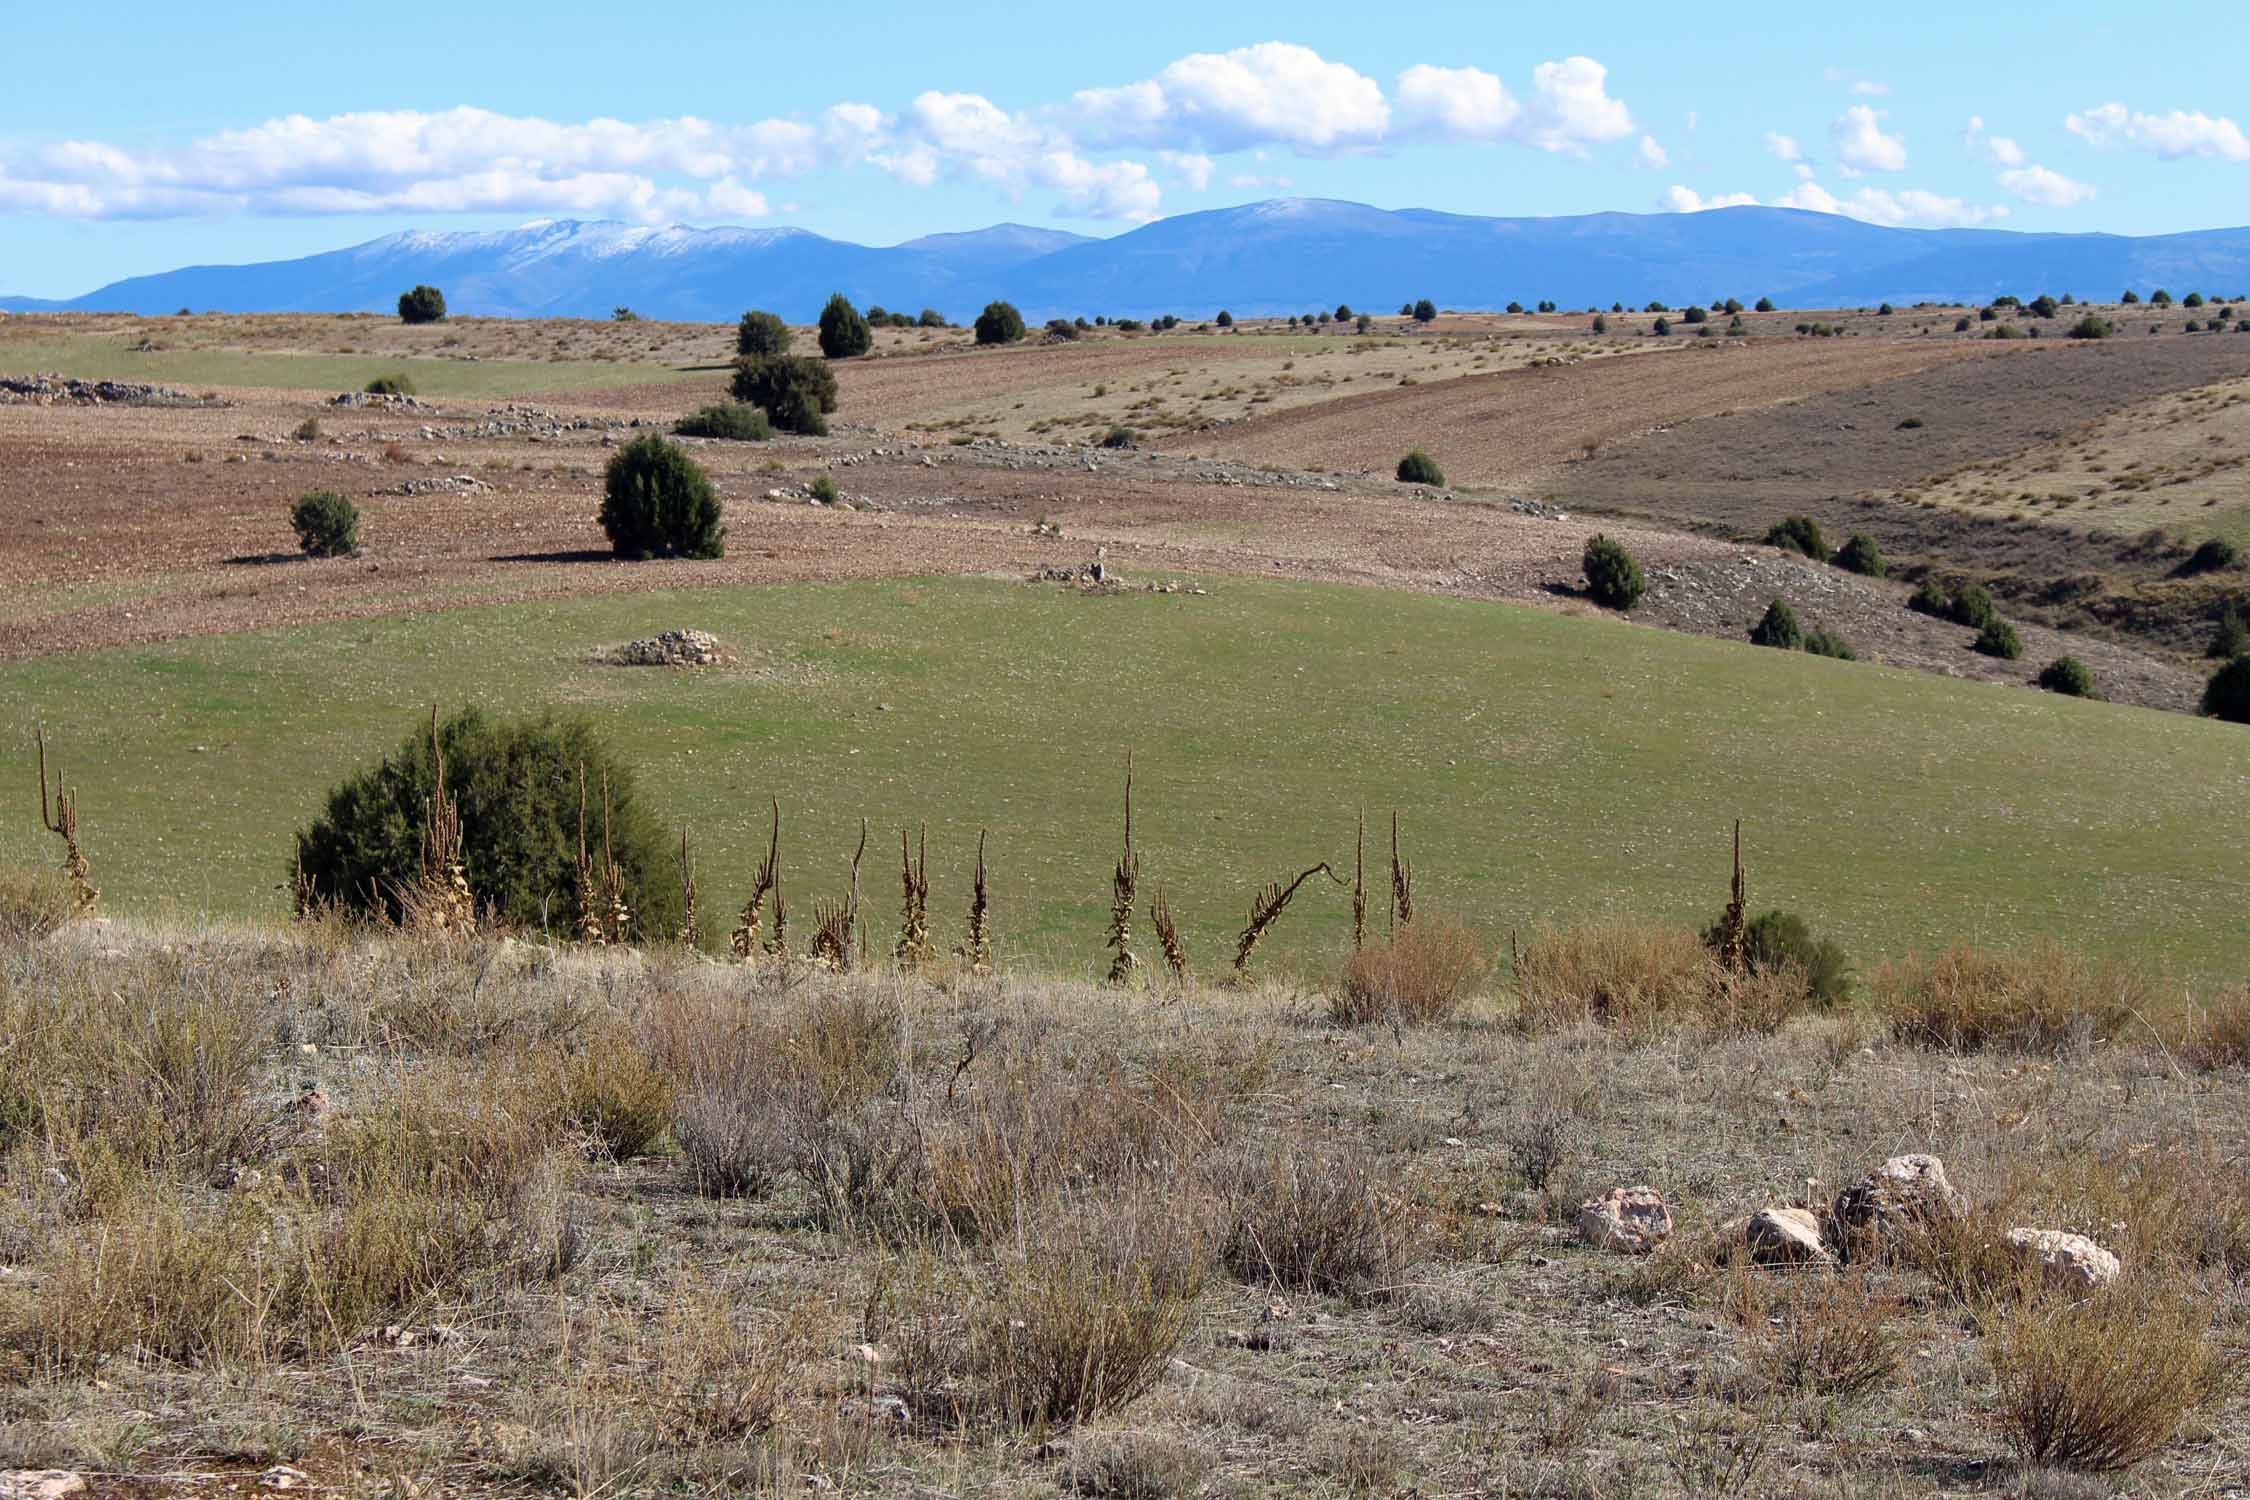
33 904
1641 981
2213 1034
1417 977
2102 1384
614 1091
1824 1336
1320 1222
2048 998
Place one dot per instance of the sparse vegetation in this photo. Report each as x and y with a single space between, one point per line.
657 502
737 421
327 524
423 304
1613 578
1419 468
390 385
2227 695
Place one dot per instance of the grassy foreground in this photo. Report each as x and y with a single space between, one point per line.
1546 767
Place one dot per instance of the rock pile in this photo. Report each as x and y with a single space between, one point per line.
674 648
54 390
446 484
385 401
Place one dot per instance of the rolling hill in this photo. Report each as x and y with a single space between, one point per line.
1281 256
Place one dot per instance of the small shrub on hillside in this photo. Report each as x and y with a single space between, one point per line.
1225 319
1798 534
1823 1336
1777 940
931 318
657 502
1969 1001
1911 424
1778 627
823 489
2227 695
762 335
1416 977
1821 641
999 323
1121 437
844 334
1963 603
2211 555
1062 328
390 385
327 524
614 1092
516 785
1930 597
1321 1223
738 421
1999 638
1419 468
795 392
2099 1385
1613 578
1425 311
1642 981
2068 676
2092 327
2232 638
1861 555
424 304
307 431
33 904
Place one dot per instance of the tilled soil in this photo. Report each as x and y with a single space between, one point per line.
120 539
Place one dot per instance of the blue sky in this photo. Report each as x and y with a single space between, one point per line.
143 137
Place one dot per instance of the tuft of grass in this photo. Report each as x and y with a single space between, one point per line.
1324 1223
2101 1384
1822 1336
1968 1000
1641 980
1416 977
615 1092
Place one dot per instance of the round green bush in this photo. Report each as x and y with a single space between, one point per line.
736 420
1861 555
327 524
657 502
2068 676
1778 627
844 334
2092 327
823 489
1930 597
999 323
1798 534
1121 437
931 318
2212 555
424 304
762 335
1613 578
796 392
1425 311
1062 328
1999 638
2232 638
1774 938
2227 695
390 385
1225 319
1971 605
1823 642
1419 468
516 787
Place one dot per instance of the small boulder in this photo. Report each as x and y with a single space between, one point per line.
1627 1220
2068 1262
1784 1237
39 1484
1900 1195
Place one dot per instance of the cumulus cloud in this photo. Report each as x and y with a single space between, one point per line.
1274 92
1906 208
2036 184
2170 137
1569 108
1458 104
1653 154
1784 146
1862 145
1686 200
1191 169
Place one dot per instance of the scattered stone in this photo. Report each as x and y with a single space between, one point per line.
2070 1262
674 648
54 390
283 1477
449 484
1626 1220
383 402
1784 1237
1900 1195
39 1484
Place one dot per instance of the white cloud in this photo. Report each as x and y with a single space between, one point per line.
1906 208
1653 154
1250 182
1686 200
969 135
2169 136
1273 92
1191 169
1999 149
1869 87
1569 108
2036 184
1456 104
1784 146
1862 145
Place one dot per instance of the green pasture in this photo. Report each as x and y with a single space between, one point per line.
1547 768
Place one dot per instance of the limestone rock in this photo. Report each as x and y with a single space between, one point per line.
1785 1237
39 1484
2070 1262
1627 1220
1902 1193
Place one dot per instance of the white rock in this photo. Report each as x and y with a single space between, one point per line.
2068 1261
1627 1220
283 1477
1784 1236
39 1484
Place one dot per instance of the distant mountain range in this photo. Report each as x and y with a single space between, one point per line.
1288 255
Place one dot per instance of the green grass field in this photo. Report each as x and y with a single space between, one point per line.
111 357
1547 767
